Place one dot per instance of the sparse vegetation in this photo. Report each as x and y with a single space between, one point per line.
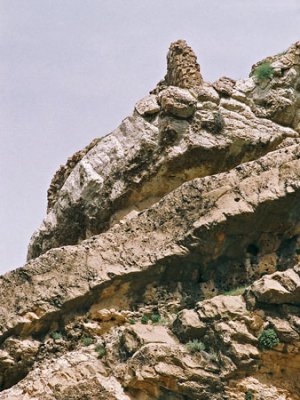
214 356
264 71
132 321
87 341
145 319
155 318
282 53
249 395
268 339
56 335
195 346
100 349
163 321
235 292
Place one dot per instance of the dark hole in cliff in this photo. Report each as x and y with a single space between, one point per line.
253 249
287 247
237 199
286 252
12 377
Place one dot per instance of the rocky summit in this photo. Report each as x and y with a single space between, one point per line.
168 264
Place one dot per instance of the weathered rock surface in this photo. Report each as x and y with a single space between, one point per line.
151 230
278 98
182 68
143 160
177 102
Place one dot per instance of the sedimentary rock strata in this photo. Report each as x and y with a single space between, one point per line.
167 266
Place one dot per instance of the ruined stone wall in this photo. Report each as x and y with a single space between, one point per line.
182 68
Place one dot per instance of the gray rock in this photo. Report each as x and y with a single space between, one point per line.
177 102
187 326
148 105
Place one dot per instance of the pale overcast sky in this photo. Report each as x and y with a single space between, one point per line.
71 70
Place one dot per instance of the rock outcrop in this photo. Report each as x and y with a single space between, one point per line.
168 265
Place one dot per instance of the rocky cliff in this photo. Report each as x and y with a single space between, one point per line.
168 265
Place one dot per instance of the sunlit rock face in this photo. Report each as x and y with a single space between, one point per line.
167 266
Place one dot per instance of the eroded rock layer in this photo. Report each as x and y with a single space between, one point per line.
168 264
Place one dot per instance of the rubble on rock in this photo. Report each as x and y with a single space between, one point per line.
168 265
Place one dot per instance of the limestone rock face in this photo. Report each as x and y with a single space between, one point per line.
178 102
278 97
167 266
278 288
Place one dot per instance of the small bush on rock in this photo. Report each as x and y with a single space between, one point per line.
249 395
155 318
195 346
87 341
264 71
268 339
145 319
235 292
56 335
100 349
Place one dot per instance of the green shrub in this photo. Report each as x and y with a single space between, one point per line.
56 335
155 318
145 319
264 71
100 349
132 321
268 339
87 341
249 395
235 292
195 346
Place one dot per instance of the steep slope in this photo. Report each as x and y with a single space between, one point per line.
168 264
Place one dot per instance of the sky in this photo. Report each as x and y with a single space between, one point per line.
72 70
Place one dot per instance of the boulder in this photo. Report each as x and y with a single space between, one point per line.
147 106
277 288
177 102
187 326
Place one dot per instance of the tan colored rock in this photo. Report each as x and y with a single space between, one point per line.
148 105
182 67
284 330
195 196
221 307
278 288
205 92
278 98
178 102
138 335
73 376
188 326
149 161
224 86
16 360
